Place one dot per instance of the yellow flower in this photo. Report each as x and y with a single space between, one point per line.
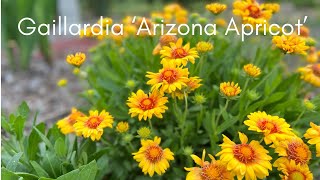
274 7
145 106
214 170
290 44
311 74
273 128
220 22
251 12
144 132
252 70
105 21
229 89
292 149
122 127
169 79
193 83
62 82
216 8
312 56
245 160
66 124
77 59
93 125
292 171
203 47
313 134
178 54
152 158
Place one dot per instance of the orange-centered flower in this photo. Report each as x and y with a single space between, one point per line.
311 74
229 89
290 44
313 134
251 12
93 125
145 106
293 149
152 157
273 128
214 170
66 124
252 70
249 160
292 171
76 59
169 79
178 54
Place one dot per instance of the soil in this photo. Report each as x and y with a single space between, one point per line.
38 85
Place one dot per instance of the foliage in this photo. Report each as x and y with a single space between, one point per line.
41 11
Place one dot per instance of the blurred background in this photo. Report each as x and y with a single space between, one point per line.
32 65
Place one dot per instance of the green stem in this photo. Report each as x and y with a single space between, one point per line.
224 109
299 117
150 124
183 119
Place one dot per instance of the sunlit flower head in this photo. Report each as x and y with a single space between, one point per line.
229 89
273 128
311 74
290 44
145 106
193 83
122 127
313 134
66 124
249 160
292 171
92 126
293 149
178 53
144 132
62 82
169 79
76 59
152 157
216 8
203 47
251 12
274 7
252 70
214 170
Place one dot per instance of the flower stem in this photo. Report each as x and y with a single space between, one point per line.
183 119
298 118
224 109
150 124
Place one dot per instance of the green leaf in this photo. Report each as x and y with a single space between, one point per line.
44 138
14 161
8 175
226 124
27 176
5 125
60 147
85 172
19 126
39 170
23 110
34 140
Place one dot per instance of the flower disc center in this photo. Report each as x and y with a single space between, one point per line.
147 104
154 153
94 122
244 153
179 53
